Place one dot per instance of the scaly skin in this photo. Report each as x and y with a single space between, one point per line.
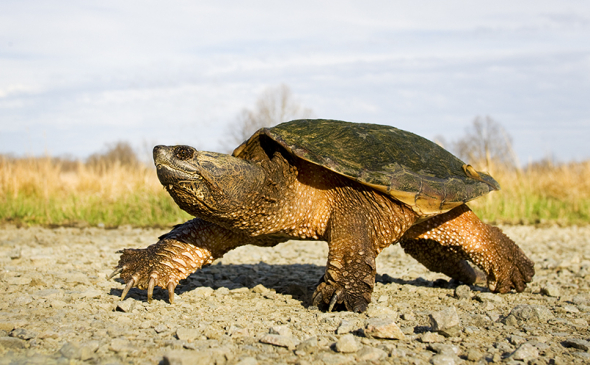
441 242
276 197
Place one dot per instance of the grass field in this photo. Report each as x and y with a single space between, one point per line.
56 192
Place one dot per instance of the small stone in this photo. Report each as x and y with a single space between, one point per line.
71 350
380 311
127 305
308 345
281 330
371 354
525 352
489 297
202 292
221 292
23 333
12 343
260 289
188 334
160 328
88 349
278 340
346 326
183 357
334 359
529 314
577 344
550 290
384 328
430 337
383 299
516 340
121 345
444 360
444 319
248 361
474 355
347 343
463 292
444 349
408 316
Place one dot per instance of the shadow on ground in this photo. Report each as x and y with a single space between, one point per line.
297 280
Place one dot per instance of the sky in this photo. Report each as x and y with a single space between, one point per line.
76 76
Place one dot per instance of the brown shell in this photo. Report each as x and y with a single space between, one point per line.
404 165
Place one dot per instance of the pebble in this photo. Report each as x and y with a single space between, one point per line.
58 308
444 319
526 351
347 343
384 328
463 292
577 344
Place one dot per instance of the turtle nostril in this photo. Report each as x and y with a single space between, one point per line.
184 152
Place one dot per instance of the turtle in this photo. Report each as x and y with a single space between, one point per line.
358 186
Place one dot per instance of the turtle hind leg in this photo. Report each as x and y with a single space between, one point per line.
459 231
444 259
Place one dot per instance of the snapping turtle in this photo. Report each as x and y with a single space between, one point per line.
360 187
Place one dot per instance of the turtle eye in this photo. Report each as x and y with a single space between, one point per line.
184 152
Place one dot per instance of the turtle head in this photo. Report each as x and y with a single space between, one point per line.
206 183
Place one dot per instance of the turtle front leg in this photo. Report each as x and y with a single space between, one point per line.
442 242
175 256
350 271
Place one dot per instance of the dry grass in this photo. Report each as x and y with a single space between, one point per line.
542 193
48 191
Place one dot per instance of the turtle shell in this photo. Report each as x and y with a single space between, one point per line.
405 166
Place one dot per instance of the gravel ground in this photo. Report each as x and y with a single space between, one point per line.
253 307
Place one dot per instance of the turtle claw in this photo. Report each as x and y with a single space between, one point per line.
171 288
114 273
336 297
150 289
128 287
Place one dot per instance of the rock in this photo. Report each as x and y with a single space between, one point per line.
334 359
127 305
550 290
408 316
222 291
347 343
444 319
188 334
278 340
309 345
444 360
444 349
346 326
260 289
577 344
489 297
159 328
380 311
202 292
463 292
183 357
12 343
71 350
87 350
248 361
528 314
430 337
384 328
525 352
281 330
474 355
23 333
371 354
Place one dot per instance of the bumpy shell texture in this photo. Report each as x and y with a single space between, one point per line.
404 165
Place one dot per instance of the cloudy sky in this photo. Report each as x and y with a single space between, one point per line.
76 75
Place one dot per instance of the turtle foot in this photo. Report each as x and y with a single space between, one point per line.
332 295
162 264
512 269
